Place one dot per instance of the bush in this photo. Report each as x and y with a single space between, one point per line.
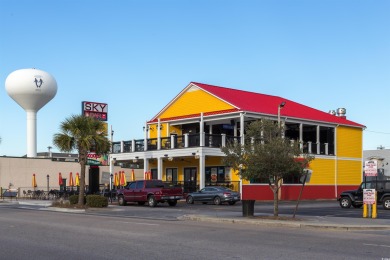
96 201
73 199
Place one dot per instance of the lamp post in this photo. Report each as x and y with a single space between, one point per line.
111 175
48 178
279 108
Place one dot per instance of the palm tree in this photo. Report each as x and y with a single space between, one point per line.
84 134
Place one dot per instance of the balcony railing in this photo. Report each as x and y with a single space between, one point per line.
203 140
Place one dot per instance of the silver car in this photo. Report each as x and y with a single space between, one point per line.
214 194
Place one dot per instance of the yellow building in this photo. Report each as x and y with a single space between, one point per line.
182 142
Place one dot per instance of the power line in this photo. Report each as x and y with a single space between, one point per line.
377 132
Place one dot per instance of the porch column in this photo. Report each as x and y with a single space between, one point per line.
146 165
242 128
146 137
158 135
201 130
318 139
202 162
301 136
133 146
122 146
159 168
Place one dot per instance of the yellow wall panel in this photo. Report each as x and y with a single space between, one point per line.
349 142
323 171
193 102
349 172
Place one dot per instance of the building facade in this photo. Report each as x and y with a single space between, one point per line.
181 144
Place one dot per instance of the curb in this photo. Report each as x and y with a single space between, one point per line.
278 223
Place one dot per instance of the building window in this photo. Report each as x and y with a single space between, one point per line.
171 175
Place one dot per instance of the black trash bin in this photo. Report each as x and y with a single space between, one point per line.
248 208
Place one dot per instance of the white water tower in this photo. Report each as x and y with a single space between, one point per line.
31 89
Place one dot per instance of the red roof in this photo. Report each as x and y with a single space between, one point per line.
266 104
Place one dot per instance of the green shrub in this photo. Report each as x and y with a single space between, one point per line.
73 199
97 201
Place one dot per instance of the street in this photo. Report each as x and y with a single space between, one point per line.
135 232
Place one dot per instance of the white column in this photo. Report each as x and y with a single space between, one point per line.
31 133
146 137
159 168
301 136
112 161
242 128
146 165
201 130
158 135
318 139
202 162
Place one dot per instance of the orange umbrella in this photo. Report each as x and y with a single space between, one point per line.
132 175
77 179
71 180
146 175
149 175
123 178
116 180
60 179
34 181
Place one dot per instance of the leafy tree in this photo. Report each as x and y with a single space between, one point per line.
84 134
266 155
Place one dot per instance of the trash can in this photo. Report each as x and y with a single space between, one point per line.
248 208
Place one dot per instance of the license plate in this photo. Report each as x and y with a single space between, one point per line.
172 197
236 198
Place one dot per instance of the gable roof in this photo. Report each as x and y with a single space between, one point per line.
246 101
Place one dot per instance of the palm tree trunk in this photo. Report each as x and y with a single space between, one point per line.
82 159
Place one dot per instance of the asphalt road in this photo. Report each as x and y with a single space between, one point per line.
39 234
286 208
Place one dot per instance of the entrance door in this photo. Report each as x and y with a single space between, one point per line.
154 174
190 179
93 185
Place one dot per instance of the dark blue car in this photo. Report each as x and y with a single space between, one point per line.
214 194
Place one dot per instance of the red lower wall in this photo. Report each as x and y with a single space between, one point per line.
291 192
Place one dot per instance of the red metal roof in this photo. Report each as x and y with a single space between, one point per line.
266 104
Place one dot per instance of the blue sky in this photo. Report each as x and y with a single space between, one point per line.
138 55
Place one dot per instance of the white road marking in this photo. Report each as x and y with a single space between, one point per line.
376 245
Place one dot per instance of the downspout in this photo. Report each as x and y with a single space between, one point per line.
336 162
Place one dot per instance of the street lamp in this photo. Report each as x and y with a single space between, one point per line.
279 108
48 177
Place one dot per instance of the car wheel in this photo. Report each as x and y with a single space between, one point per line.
141 203
217 200
232 202
345 202
386 203
172 203
152 201
190 200
121 201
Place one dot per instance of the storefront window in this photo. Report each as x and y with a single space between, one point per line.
171 174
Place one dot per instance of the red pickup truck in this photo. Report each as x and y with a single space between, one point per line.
151 191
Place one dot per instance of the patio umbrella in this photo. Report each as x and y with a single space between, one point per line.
71 180
116 180
60 179
146 176
77 181
132 175
123 178
34 181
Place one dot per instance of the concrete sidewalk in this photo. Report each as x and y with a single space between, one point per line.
311 222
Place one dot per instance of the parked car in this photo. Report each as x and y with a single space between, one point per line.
355 197
151 191
214 194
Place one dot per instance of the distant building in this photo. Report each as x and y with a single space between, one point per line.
383 157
